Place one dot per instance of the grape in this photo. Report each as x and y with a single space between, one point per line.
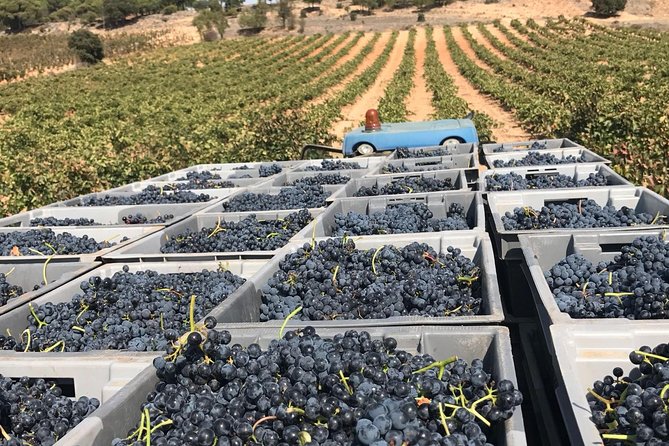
44 241
150 195
7 290
403 152
321 179
536 145
513 181
538 158
334 165
294 197
127 219
407 186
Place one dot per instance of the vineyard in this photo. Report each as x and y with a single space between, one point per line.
261 98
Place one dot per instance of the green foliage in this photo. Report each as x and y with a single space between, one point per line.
169 10
18 14
86 45
207 21
420 17
285 12
392 107
115 12
253 18
608 7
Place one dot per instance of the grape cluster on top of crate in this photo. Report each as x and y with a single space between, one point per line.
407 247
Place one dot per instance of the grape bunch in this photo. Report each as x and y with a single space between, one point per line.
321 179
536 145
333 279
538 158
407 185
403 152
140 219
513 181
129 311
635 285
44 241
200 177
35 411
194 185
580 215
400 218
307 390
7 290
294 197
334 165
631 409
249 234
264 170
402 168
150 195
54 221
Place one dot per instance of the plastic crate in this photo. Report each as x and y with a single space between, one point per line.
560 143
148 249
576 171
437 202
268 189
365 163
27 275
105 215
589 156
16 320
141 185
638 198
491 344
215 194
242 309
457 176
543 251
433 163
284 179
100 234
225 170
453 149
585 355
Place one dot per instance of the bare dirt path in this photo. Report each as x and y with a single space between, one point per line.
500 35
355 112
467 48
480 38
366 63
515 32
317 50
508 128
419 102
359 45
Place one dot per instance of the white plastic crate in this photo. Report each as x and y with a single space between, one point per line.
558 143
589 155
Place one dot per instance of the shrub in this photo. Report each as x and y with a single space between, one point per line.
353 15
169 9
608 7
421 17
339 5
86 45
208 22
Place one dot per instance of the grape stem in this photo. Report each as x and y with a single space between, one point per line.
374 259
5 435
40 323
442 416
289 317
441 364
650 355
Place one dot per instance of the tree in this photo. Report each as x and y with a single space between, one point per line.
207 21
312 3
86 45
233 4
285 12
17 14
254 18
115 11
608 7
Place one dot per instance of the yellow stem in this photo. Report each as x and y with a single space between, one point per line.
10 271
26 331
53 347
374 258
46 281
289 317
40 323
650 355
442 416
192 313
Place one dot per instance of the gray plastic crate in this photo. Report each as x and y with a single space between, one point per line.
638 198
586 355
492 344
437 202
560 143
365 163
589 155
243 308
268 189
16 320
148 249
100 234
225 170
27 275
457 176
576 171
433 163
106 215
215 194
453 149
141 185
283 179
543 251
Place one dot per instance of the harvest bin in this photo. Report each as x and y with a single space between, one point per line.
576 171
559 143
106 215
437 202
16 320
283 179
215 194
27 275
226 169
543 251
491 344
589 155
585 355
100 234
464 161
506 242
450 149
148 249
141 185
366 164
242 308
457 176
